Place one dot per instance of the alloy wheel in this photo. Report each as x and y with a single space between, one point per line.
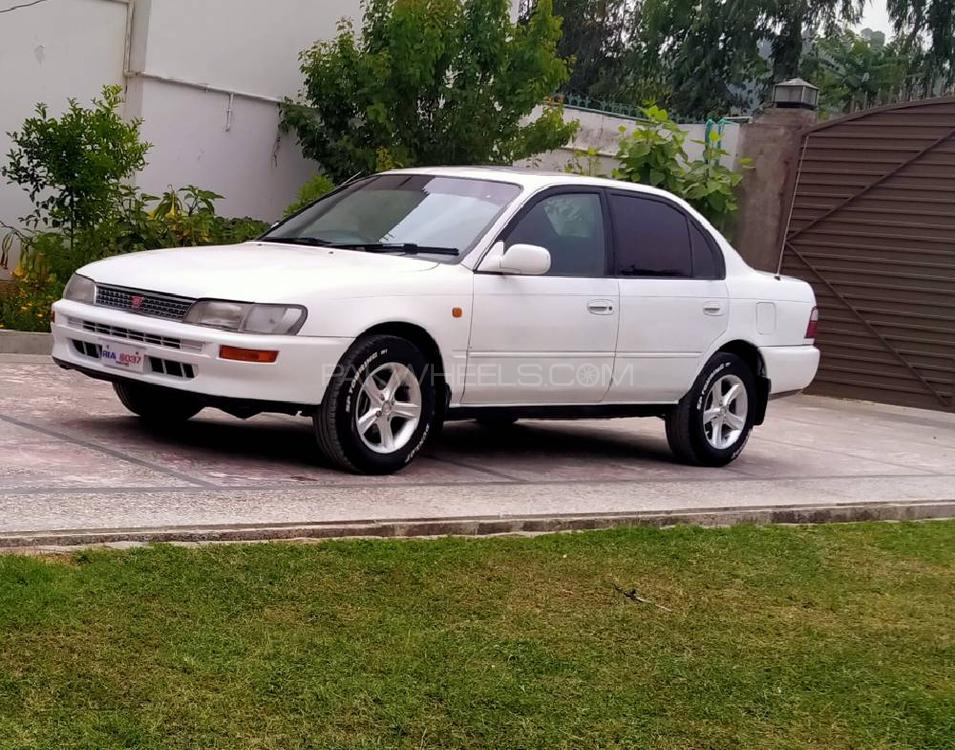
388 407
724 413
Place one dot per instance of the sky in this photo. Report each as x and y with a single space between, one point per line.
876 17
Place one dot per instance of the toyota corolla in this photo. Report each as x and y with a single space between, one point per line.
418 296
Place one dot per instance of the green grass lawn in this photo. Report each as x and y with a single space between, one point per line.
822 637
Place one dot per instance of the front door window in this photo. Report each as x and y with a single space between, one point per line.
570 226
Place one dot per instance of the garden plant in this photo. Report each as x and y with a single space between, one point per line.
77 170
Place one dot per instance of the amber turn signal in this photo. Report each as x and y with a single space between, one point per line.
247 355
456 312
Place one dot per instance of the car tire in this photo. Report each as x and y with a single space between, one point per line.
366 421
713 421
160 406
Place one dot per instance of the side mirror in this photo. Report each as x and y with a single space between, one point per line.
520 259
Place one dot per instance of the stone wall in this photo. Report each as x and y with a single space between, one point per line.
773 142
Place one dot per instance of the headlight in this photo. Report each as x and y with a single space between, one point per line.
80 289
216 314
246 317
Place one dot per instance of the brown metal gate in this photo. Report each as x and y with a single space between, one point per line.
873 231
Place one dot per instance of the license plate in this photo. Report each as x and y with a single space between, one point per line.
122 357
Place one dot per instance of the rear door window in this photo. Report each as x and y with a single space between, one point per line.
707 259
651 238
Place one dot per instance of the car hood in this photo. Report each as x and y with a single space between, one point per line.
253 271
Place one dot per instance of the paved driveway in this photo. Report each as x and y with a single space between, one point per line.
74 460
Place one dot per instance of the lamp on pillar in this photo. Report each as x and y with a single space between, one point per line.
795 94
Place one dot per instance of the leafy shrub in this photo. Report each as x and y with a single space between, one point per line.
588 162
76 170
73 166
710 187
654 154
230 231
181 217
312 190
431 82
187 217
25 305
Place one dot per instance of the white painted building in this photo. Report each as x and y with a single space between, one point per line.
205 76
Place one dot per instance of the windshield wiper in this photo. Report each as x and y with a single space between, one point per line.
409 248
312 241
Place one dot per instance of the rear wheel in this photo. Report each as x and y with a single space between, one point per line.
379 407
711 424
157 405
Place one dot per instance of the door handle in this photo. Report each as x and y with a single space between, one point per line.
713 307
600 307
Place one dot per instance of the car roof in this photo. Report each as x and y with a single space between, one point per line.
534 179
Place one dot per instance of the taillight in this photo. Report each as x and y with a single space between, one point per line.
813 323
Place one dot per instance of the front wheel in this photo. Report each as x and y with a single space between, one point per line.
379 407
161 406
711 424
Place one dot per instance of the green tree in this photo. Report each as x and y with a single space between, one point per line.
74 167
693 57
696 57
593 42
854 71
711 55
791 21
431 82
926 34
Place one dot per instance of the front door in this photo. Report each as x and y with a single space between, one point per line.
547 339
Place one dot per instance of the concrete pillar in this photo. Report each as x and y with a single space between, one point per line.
773 143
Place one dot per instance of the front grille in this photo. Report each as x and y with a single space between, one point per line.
171 368
157 365
87 348
156 304
170 342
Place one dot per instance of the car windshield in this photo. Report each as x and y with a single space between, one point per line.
441 217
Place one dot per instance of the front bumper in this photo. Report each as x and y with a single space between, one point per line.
186 357
790 368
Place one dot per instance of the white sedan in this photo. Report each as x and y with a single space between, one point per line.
417 296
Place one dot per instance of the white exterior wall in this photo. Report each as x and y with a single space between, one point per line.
602 132
243 45
48 53
229 143
183 59
256 169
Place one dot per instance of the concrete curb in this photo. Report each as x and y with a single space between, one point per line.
914 510
25 342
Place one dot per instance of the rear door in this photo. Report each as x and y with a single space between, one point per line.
673 297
